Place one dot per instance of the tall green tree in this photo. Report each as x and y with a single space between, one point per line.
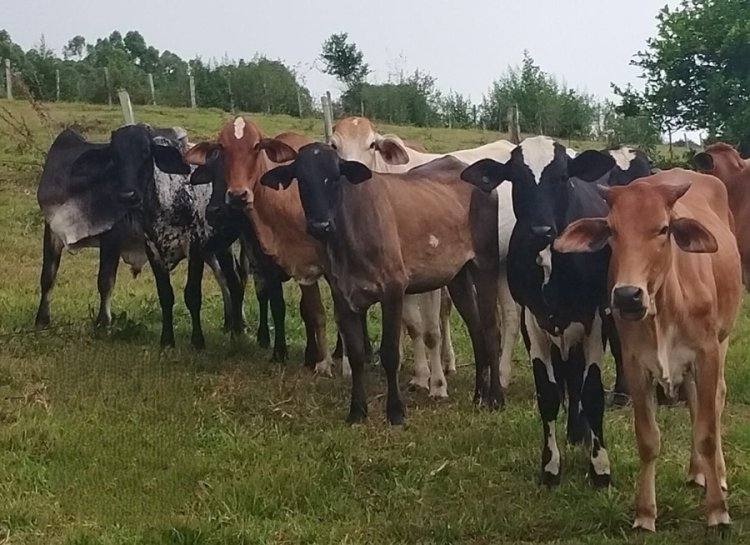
344 60
697 68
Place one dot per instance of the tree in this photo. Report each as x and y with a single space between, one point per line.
697 68
74 48
344 60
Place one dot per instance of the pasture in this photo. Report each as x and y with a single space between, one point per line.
106 439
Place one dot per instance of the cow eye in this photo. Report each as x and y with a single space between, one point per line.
372 145
664 230
334 146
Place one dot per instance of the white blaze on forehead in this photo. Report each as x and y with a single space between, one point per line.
623 157
239 128
538 152
355 121
434 241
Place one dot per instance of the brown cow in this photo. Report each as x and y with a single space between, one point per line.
676 291
724 162
276 217
397 234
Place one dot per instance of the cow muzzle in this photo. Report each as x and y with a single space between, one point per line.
239 199
320 229
630 301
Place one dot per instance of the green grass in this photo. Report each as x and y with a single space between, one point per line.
108 440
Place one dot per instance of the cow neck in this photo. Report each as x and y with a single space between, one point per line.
279 225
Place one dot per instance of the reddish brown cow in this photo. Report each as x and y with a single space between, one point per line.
724 162
276 217
378 245
676 290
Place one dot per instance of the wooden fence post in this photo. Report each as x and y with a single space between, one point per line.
57 85
150 78
513 125
327 117
8 80
191 79
109 88
299 102
127 107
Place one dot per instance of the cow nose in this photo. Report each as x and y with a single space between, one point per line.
129 198
628 298
237 199
545 231
318 228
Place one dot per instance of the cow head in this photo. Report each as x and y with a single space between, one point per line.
130 157
640 228
355 139
720 160
245 153
540 170
212 172
630 164
320 173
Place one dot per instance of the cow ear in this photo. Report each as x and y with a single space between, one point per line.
703 161
354 171
486 174
590 165
278 177
672 193
277 151
92 163
392 150
201 176
202 153
169 160
692 237
583 235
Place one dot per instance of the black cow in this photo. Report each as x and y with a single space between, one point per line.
113 195
268 277
564 295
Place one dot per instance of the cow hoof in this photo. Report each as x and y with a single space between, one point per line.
324 368
696 481
439 394
418 383
41 322
396 415
495 402
198 342
645 523
550 479
167 342
357 414
264 339
602 480
721 531
619 400
279 356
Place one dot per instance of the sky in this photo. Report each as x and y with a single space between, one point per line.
465 44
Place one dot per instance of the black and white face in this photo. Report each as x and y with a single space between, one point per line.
630 164
320 173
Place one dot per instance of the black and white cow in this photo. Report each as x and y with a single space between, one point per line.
268 277
113 195
563 296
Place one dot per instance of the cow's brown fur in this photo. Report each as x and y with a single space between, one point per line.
692 301
276 218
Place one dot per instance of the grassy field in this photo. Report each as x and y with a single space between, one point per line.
109 440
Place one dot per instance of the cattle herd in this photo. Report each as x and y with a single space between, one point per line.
580 251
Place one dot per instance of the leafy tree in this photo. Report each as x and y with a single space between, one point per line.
697 68
74 48
344 60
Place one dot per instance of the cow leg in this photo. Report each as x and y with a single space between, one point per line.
232 279
194 296
431 333
647 435
109 258
721 398
592 401
353 347
412 320
447 354
462 294
574 370
263 334
278 313
221 281
696 477
313 313
539 347
620 396
509 313
706 430
166 298
369 355
486 289
392 306
52 249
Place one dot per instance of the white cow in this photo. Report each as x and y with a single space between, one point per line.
356 139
